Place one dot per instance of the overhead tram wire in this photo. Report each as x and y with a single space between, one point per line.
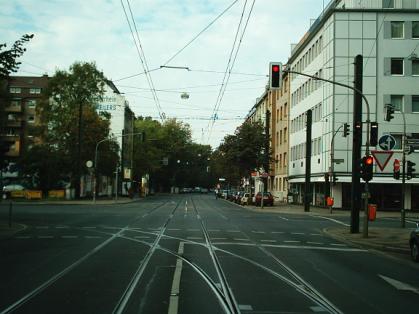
145 68
228 66
231 68
200 33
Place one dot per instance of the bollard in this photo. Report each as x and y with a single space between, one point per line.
10 214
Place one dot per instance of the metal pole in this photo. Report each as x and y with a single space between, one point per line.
402 203
366 212
10 213
263 189
307 188
116 183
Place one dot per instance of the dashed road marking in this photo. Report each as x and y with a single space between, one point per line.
270 241
233 231
291 241
240 239
173 229
22 237
89 227
93 237
315 234
194 238
261 232
45 237
215 239
315 243
213 230
283 218
337 244
61 227
245 307
298 233
69 237
193 230
277 232
142 237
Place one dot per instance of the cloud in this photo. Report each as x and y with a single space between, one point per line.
97 30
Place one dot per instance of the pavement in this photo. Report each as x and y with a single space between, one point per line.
382 238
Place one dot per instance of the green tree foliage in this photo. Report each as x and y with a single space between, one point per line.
68 91
8 58
241 153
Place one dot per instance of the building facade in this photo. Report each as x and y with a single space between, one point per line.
386 34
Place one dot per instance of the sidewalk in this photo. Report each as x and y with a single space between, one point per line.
121 200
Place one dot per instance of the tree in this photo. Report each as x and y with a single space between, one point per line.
8 58
70 123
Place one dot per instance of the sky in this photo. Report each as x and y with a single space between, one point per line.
97 31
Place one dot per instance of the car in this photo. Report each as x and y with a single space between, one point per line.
268 199
204 191
245 200
238 196
224 194
414 243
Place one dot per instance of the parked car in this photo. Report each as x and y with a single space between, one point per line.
268 199
245 200
231 195
8 189
414 243
224 194
238 197
204 191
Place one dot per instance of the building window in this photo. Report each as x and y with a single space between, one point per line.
280 137
285 160
397 30
397 102
15 103
397 66
285 110
415 67
415 103
34 91
31 103
388 4
415 29
15 90
31 119
285 135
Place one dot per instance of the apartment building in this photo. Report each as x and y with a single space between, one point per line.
20 99
386 34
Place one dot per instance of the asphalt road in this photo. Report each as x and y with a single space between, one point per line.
192 254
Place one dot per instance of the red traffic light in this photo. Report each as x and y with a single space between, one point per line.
369 160
275 68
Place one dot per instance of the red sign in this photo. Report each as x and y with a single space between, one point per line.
382 157
396 165
254 174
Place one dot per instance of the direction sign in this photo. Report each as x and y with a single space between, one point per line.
387 142
382 158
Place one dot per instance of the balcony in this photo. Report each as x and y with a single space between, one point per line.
13 108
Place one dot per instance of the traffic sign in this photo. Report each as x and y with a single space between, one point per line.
387 142
382 158
396 165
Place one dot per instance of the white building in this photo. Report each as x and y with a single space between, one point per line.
386 33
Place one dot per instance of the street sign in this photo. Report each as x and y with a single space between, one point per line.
387 142
382 158
396 165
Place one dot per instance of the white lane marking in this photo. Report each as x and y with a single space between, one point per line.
283 218
318 309
331 219
41 227
291 241
298 233
399 285
215 239
174 293
245 307
233 231
173 229
240 239
69 237
142 237
298 247
92 237
213 230
194 238
89 227
261 232
45 237
315 243
57 276
315 234
23 237
193 230
271 241
337 244
61 227
278 232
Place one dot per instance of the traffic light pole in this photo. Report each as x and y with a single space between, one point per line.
402 203
307 188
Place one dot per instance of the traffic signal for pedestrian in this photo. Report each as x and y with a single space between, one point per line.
373 133
367 163
275 75
410 170
396 169
389 112
345 129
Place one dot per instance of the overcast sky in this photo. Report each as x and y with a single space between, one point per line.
97 30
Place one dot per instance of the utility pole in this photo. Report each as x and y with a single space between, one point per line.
356 146
307 189
267 152
402 203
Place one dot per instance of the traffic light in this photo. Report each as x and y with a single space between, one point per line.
396 169
345 129
373 133
275 75
367 163
389 112
410 170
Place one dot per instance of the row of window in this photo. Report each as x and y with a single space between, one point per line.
309 56
398 30
299 151
281 137
31 103
398 66
16 118
280 184
282 112
281 161
398 101
299 123
306 89
18 90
